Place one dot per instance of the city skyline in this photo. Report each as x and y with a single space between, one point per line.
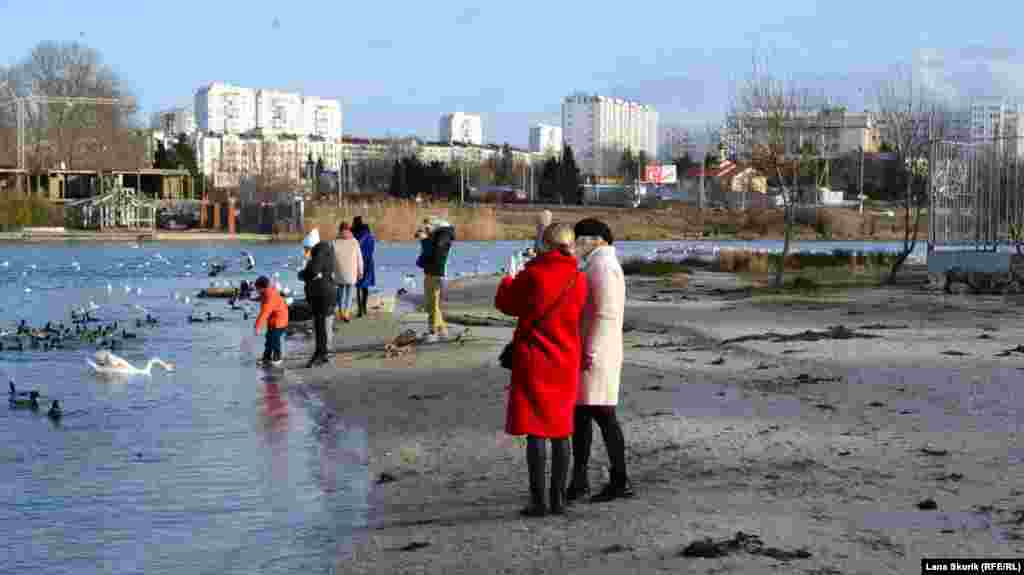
392 81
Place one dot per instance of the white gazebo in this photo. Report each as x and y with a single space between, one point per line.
119 209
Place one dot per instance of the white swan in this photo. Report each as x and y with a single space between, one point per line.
108 363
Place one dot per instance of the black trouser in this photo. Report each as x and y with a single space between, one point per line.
535 462
582 437
362 297
320 332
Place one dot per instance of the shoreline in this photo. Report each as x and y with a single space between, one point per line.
816 436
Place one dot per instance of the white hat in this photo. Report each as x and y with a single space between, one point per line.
312 239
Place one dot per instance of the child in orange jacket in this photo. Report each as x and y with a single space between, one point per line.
273 313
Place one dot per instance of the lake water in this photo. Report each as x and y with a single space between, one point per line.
214 468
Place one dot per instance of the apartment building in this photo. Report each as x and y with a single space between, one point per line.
176 121
462 128
599 129
829 132
998 120
225 109
546 139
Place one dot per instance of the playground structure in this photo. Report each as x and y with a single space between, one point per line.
117 209
976 209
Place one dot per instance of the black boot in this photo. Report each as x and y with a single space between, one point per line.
579 487
559 470
618 488
535 463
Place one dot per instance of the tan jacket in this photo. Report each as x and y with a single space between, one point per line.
348 261
601 328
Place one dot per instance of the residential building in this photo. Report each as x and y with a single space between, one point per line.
546 139
225 109
599 129
727 184
176 121
321 118
460 127
278 112
677 142
829 132
999 120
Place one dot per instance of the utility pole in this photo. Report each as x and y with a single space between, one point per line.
860 194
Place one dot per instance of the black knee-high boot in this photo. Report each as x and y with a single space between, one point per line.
559 471
535 464
583 433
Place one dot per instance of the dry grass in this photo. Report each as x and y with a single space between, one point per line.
18 210
397 220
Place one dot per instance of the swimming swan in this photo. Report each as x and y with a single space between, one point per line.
109 363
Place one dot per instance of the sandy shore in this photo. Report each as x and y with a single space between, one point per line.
827 445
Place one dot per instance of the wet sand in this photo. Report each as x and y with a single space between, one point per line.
827 445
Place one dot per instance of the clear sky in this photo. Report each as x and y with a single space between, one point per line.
397 66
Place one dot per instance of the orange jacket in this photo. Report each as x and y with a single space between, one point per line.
273 310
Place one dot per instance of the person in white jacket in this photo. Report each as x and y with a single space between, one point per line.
601 329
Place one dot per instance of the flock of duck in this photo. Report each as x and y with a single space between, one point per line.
83 330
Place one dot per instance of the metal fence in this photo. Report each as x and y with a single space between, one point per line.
260 217
976 192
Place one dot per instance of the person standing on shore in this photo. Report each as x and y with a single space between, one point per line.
348 261
273 314
368 279
434 261
547 297
601 327
543 221
321 294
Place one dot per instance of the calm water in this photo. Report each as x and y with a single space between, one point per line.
214 468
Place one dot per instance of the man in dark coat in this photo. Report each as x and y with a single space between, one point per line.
321 292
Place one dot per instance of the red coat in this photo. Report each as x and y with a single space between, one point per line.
545 383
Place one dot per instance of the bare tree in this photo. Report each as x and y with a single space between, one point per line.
774 112
72 131
909 121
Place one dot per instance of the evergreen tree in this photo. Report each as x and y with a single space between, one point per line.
569 178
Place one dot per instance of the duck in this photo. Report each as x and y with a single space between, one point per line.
20 402
125 334
211 318
15 393
55 411
194 319
151 320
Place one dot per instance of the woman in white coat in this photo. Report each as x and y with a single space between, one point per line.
601 329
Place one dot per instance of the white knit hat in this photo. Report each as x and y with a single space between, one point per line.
312 239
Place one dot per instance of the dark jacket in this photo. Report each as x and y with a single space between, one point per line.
366 245
321 292
435 260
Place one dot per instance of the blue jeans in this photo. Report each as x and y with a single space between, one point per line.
273 346
345 297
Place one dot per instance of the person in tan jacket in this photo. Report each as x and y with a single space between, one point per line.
348 261
601 330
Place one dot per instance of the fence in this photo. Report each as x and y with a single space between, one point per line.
261 217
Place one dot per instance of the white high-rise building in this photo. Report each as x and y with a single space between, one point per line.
278 112
599 129
176 121
225 109
460 127
999 120
545 139
321 118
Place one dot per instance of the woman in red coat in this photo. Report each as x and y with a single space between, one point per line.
550 293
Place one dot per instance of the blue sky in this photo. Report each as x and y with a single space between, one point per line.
397 66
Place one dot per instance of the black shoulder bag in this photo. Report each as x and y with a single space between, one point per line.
507 357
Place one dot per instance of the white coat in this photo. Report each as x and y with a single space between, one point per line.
601 328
